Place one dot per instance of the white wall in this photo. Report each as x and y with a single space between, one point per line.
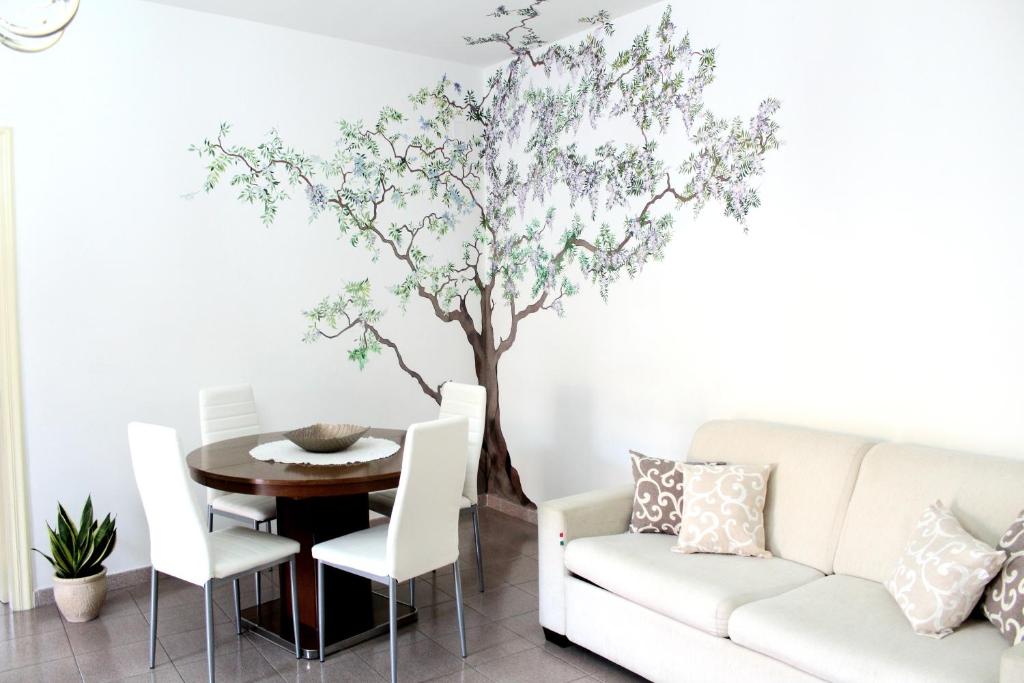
880 289
132 297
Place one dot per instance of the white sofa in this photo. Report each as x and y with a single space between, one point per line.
838 513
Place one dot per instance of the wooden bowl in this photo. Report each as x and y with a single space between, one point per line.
325 438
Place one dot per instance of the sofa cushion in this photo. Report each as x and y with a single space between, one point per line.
699 590
843 628
812 476
897 482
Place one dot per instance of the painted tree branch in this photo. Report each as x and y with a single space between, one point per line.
354 310
434 393
513 199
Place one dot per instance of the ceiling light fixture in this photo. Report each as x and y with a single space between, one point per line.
41 30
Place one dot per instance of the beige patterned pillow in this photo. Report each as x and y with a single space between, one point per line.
1004 599
723 509
942 573
658 497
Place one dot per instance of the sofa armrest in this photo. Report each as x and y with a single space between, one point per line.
1011 666
595 513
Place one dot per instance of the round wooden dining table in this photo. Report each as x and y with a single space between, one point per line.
315 503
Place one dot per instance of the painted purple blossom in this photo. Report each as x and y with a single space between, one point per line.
533 190
317 197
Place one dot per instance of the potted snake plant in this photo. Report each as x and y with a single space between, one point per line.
77 555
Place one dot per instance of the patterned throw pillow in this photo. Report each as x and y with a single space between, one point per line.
658 496
942 573
723 509
1004 599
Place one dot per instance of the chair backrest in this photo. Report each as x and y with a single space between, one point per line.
225 413
177 539
468 401
423 533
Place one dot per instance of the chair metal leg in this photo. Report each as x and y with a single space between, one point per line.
259 593
295 606
479 551
238 606
152 617
412 592
270 529
458 609
209 518
208 591
319 604
393 627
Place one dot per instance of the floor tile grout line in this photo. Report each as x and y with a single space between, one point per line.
81 674
366 658
488 621
445 595
74 655
48 661
260 653
174 664
563 659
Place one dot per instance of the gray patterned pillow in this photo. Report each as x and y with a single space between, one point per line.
1004 597
658 498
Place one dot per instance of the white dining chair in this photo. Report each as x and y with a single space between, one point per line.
228 412
469 401
423 532
178 544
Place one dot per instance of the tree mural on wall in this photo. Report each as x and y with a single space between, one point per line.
502 181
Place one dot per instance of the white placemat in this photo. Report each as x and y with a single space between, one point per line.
366 449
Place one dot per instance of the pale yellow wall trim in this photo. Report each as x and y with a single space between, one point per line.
14 537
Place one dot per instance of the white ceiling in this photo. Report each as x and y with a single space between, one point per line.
433 28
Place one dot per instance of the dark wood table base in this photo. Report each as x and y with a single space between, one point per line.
354 613
315 503
273 621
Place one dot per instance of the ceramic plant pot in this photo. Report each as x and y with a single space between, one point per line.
80 599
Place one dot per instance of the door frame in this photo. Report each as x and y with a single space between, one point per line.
15 554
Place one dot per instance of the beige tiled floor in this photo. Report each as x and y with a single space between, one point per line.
505 642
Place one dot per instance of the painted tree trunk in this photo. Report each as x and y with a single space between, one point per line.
497 475
381 166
